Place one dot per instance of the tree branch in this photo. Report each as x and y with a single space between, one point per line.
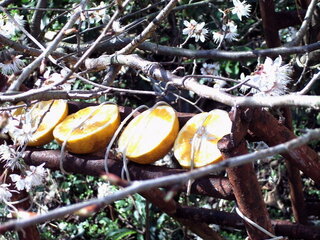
36 19
149 29
156 71
36 63
218 187
139 186
304 26
225 219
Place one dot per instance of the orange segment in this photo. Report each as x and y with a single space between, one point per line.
54 113
89 129
199 137
150 135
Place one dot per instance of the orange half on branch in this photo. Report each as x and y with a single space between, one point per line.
88 130
150 135
44 117
196 144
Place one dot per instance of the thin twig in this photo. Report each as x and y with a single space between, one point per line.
304 26
149 29
307 88
36 63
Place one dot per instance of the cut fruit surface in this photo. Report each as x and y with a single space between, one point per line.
48 114
88 130
198 138
150 135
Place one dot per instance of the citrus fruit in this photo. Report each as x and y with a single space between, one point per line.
48 114
198 139
89 129
150 135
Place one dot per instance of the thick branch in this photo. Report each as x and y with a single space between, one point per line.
243 178
156 71
163 181
34 51
218 187
209 54
286 19
294 178
224 219
303 157
36 19
269 24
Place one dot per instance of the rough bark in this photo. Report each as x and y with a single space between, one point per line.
92 165
267 128
269 25
243 178
295 182
225 219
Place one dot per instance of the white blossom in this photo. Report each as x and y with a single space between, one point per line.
36 175
288 34
19 19
104 189
6 152
270 78
229 33
12 65
116 27
20 131
19 181
5 192
195 30
7 27
33 177
10 157
241 9
99 14
190 26
212 69
218 37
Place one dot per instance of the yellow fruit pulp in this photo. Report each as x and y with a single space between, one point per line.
150 135
199 137
54 113
88 130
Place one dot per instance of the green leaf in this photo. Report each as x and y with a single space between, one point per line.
120 234
318 119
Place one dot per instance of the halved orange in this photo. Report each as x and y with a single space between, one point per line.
198 138
55 111
150 135
88 130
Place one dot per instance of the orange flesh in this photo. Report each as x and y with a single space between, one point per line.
200 136
150 135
